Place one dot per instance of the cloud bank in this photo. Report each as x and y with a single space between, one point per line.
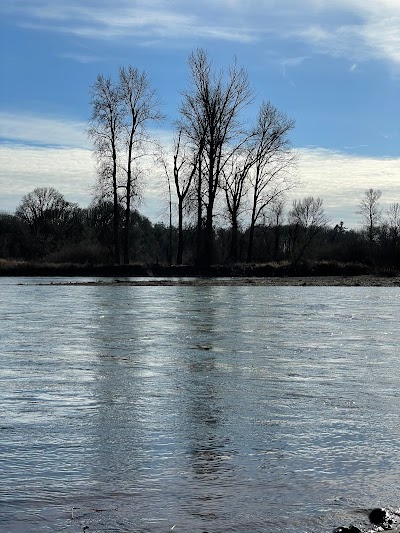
339 179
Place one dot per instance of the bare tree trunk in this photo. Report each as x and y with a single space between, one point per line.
179 255
199 228
277 240
127 221
105 130
234 238
117 258
250 244
170 225
208 257
128 197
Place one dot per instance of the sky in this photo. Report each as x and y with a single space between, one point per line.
331 65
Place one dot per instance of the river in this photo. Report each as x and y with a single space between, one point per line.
197 408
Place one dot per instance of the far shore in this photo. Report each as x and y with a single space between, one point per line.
323 273
292 281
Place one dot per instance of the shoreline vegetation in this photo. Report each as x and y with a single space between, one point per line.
273 274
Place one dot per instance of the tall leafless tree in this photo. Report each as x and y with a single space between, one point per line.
393 222
273 163
105 131
139 107
210 110
370 212
121 112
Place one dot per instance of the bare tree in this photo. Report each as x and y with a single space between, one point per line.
210 110
370 212
139 106
276 218
271 173
121 112
47 213
185 168
393 222
235 186
42 205
307 218
105 130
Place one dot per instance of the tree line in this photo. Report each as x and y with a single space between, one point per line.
46 227
227 175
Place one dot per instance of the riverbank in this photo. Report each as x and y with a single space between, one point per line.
292 281
306 274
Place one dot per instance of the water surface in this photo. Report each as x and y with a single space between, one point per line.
219 409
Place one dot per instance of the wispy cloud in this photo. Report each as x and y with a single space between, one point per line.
287 63
82 58
353 29
48 131
150 21
371 30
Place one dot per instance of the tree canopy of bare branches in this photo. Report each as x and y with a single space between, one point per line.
140 106
210 119
271 163
121 112
370 211
307 218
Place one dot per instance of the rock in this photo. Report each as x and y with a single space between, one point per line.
378 516
388 519
383 519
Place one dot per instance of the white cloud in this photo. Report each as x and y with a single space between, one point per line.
383 35
341 179
23 168
363 30
48 151
29 128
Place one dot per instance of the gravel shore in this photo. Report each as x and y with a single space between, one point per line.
308 281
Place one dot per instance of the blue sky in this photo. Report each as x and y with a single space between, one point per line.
332 65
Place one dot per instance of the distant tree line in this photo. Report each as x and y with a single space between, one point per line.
46 227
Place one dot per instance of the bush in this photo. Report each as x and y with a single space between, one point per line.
80 253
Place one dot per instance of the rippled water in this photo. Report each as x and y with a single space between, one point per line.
219 409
